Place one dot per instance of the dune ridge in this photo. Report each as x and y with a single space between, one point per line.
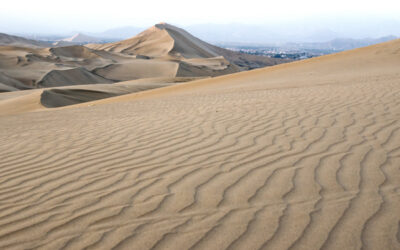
65 96
165 41
297 156
75 76
10 40
53 97
160 51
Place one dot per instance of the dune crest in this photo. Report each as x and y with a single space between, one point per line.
160 51
165 41
75 76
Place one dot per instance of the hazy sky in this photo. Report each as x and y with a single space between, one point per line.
49 16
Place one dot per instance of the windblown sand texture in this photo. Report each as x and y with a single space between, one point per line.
303 155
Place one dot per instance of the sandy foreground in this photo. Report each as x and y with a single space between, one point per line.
304 155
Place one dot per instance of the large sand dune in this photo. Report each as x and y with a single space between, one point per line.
165 40
302 156
138 69
10 40
73 76
65 96
161 51
38 99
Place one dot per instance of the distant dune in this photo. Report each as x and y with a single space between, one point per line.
81 38
9 40
160 51
137 69
303 155
74 51
164 40
60 97
10 84
73 76
51 97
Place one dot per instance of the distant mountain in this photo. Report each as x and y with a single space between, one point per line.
299 31
243 33
346 44
10 40
118 33
78 38
339 44
81 38
261 34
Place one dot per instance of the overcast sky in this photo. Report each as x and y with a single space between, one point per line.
49 16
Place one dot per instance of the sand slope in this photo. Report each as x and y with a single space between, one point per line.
10 40
73 76
40 99
165 40
60 97
81 38
6 88
160 51
138 69
74 51
301 156
10 84
29 66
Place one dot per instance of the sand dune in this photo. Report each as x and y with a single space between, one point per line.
39 99
10 84
137 69
302 156
165 40
10 40
211 67
75 76
75 51
160 51
29 66
80 38
60 97
6 88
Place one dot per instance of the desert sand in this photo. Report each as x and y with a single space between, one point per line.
10 40
303 155
162 51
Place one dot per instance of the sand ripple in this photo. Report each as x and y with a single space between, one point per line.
306 168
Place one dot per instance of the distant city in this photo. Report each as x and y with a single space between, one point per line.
254 40
293 50
299 51
280 52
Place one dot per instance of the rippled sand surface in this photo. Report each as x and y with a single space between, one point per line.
302 156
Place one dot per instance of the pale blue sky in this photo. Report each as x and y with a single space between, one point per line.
49 16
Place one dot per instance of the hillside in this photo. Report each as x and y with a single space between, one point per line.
9 40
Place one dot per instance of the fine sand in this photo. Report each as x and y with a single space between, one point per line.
38 99
10 40
303 155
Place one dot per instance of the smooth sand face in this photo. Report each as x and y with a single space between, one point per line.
38 99
301 156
